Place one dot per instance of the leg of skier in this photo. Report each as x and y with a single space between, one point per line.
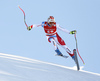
51 39
56 47
68 51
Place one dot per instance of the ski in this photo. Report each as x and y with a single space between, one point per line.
64 56
76 59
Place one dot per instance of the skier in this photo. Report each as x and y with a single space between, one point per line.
50 27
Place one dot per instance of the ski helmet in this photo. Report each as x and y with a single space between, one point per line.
51 19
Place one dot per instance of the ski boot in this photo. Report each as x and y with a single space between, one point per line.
58 52
72 55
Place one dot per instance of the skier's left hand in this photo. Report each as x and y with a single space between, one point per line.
72 32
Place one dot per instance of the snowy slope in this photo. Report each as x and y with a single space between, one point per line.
16 68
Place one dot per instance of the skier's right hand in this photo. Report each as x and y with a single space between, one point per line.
29 28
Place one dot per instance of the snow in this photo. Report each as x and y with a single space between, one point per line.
17 68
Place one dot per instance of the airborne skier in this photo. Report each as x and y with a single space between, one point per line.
50 27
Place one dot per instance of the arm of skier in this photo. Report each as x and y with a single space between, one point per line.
62 29
33 26
65 30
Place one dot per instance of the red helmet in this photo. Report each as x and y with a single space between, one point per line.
51 19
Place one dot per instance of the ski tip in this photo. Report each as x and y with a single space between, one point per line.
84 63
18 6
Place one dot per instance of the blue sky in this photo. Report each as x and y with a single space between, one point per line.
81 15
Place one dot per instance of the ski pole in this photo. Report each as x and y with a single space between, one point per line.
24 15
77 49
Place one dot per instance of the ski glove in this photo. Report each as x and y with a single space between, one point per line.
29 28
72 32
